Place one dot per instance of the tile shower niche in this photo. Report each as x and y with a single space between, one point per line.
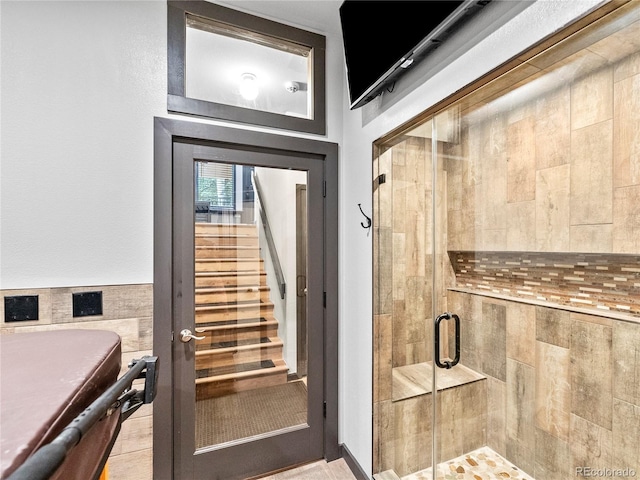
517 208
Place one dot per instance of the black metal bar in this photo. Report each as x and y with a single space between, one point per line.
47 459
447 363
456 359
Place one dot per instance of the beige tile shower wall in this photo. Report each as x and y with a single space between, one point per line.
128 311
555 172
410 188
563 389
406 427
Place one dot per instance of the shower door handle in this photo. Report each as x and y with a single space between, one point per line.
447 363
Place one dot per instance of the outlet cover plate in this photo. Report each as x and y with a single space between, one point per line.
87 304
21 308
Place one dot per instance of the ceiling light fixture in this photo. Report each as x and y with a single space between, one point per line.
249 86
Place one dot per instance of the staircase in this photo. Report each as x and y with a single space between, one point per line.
241 349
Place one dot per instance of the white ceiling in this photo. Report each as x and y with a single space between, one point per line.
321 16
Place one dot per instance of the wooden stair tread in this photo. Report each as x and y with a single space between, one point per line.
228 254
278 367
230 259
213 224
227 279
241 306
255 288
242 273
225 235
212 307
201 227
242 264
226 247
236 324
232 316
221 240
226 224
241 346
238 294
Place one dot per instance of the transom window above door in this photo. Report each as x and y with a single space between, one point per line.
235 66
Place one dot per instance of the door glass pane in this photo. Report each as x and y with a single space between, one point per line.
250 310
233 66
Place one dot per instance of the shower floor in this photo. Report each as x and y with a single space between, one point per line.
481 464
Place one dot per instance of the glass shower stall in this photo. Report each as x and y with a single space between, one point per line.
507 271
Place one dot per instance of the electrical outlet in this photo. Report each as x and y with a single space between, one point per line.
87 304
21 308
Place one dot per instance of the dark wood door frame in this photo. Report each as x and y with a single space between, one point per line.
166 133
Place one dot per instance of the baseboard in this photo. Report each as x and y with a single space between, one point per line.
353 464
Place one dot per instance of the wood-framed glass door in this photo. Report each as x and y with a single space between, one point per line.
239 408
246 415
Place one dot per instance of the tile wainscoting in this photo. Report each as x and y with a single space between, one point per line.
128 311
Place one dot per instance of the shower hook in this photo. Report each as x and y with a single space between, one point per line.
368 224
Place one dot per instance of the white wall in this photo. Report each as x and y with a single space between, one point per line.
80 84
279 190
534 23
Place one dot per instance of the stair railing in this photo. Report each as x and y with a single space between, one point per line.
262 208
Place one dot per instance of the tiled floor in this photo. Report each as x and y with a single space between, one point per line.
321 470
481 464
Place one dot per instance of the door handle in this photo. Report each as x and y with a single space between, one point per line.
447 363
186 336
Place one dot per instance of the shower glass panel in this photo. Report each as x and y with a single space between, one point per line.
530 293
404 233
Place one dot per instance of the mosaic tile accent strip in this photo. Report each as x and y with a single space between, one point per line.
481 464
603 282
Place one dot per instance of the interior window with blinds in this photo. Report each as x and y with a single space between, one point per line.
215 184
